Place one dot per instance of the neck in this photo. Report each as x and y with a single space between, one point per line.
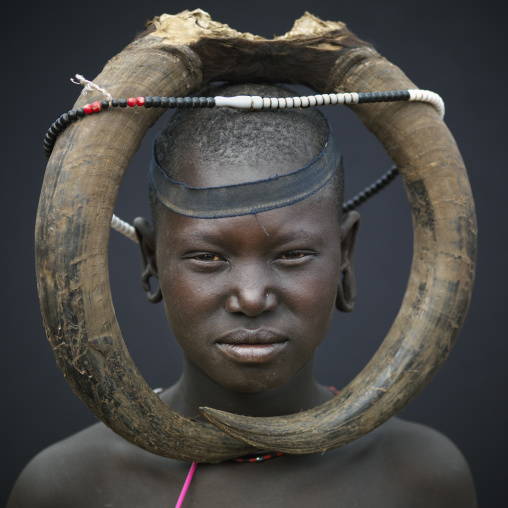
196 389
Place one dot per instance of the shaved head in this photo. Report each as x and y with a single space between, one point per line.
235 146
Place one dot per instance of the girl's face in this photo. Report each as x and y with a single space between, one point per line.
250 298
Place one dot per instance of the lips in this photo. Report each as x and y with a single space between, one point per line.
252 346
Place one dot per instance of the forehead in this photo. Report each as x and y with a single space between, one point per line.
312 218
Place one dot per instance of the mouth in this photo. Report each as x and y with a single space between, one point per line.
252 346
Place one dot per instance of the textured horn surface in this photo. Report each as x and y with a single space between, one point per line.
72 232
440 283
179 55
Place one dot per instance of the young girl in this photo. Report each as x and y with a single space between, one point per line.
249 279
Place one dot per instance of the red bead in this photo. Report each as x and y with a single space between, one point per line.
131 102
140 101
87 109
96 106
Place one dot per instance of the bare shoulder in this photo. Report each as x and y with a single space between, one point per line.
425 464
69 472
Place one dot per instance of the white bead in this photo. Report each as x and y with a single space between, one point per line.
305 102
312 100
347 98
333 99
274 103
319 100
124 228
297 102
355 98
282 103
326 99
238 102
266 102
257 102
341 98
289 102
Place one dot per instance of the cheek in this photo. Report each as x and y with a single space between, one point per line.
186 299
315 301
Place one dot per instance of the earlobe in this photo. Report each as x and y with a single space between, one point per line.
146 239
346 291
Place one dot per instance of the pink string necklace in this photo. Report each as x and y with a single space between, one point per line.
254 458
186 484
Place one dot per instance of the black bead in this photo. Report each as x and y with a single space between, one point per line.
180 102
105 104
148 102
188 102
172 102
164 102
72 115
50 136
202 102
156 102
195 102
365 97
114 103
65 119
122 103
80 112
54 129
211 102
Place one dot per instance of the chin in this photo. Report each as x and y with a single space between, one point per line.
252 380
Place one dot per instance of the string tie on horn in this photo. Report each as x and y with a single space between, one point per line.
90 86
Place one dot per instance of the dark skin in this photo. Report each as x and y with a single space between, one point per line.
249 300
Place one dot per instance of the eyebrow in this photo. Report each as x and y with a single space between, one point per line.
214 238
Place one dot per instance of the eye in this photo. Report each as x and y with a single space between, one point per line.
204 261
206 256
294 254
295 257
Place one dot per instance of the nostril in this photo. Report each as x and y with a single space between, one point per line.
251 302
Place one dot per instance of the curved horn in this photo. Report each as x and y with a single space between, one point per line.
440 282
77 201
72 232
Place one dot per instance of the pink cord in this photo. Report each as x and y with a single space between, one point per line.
186 485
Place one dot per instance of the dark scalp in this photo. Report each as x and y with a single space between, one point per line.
269 138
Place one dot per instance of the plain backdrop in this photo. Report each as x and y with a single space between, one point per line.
456 49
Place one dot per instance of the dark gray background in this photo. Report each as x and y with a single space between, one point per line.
455 49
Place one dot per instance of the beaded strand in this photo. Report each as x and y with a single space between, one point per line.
239 102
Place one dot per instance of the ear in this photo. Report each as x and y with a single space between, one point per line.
346 292
146 240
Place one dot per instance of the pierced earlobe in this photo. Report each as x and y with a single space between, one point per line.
148 273
346 292
147 246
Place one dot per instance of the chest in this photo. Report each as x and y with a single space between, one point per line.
280 482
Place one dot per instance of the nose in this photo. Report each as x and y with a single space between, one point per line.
252 294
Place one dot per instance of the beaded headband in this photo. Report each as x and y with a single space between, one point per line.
179 190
